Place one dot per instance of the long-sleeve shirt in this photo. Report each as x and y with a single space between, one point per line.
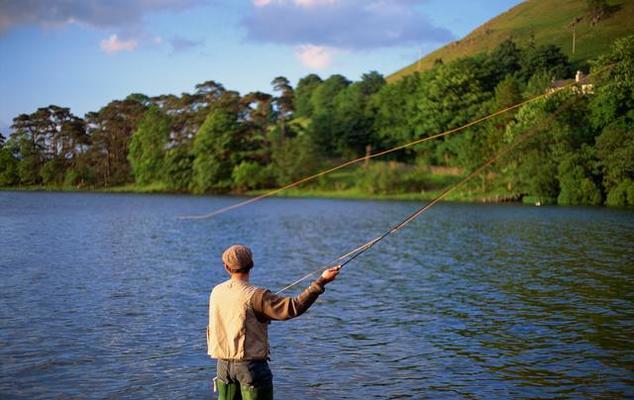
269 306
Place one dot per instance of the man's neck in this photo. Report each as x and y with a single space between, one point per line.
240 277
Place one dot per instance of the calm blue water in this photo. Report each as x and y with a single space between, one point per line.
105 296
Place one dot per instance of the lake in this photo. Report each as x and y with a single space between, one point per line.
106 295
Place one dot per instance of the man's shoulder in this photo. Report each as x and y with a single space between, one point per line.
237 285
220 286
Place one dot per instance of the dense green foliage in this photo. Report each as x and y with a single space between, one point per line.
148 147
577 145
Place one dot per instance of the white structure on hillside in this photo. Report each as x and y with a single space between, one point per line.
581 85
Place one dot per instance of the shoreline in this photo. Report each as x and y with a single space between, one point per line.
346 194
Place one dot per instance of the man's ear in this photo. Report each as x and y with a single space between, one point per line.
227 269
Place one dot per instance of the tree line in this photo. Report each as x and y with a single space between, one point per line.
216 140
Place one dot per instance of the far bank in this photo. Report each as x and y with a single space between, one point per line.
349 194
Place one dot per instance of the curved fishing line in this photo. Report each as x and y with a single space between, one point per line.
373 155
351 255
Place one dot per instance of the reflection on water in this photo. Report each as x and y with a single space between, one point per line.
106 296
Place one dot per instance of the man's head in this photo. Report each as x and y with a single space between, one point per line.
238 259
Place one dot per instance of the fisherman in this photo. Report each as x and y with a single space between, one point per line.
239 314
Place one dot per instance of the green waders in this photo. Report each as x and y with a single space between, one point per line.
235 391
243 380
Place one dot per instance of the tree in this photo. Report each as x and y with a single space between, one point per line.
577 178
48 140
284 102
9 174
323 129
215 148
293 159
393 107
111 129
303 95
507 93
538 84
447 97
352 120
371 83
2 140
615 151
534 166
31 144
545 58
256 116
178 167
615 88
250 175
259 110
140 98
507 58
148 146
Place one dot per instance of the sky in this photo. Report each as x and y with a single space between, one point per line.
83 54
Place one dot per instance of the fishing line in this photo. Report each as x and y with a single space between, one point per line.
351 255
384 152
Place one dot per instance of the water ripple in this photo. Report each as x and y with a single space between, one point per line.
105 296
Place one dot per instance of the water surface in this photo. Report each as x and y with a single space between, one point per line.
105 296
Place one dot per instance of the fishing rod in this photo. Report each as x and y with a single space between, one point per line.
353 254
374 155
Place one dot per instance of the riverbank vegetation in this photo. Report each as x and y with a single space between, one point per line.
218 141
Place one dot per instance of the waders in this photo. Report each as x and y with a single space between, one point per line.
235 391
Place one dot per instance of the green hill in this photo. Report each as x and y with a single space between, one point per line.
541 22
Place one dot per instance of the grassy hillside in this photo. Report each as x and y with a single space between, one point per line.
544 22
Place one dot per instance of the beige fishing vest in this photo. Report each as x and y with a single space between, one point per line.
234 333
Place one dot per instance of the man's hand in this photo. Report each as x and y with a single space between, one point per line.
330 274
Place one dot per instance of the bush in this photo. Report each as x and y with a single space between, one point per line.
293 159
147 147
250 175
178 168
615 151
78 177
52 173
576 179
379 178
621 195
390 178
577 192
8 168
27 172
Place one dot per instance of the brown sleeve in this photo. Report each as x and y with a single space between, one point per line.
269 306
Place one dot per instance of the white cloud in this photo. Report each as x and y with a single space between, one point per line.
302 3
310 3
114 45
349 24
315 57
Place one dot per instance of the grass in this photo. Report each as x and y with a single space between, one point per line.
339 185
380 180
130 188
346 185
133 188
545 22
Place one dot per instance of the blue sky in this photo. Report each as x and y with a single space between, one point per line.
84 53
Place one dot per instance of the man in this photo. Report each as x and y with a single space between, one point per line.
239 314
